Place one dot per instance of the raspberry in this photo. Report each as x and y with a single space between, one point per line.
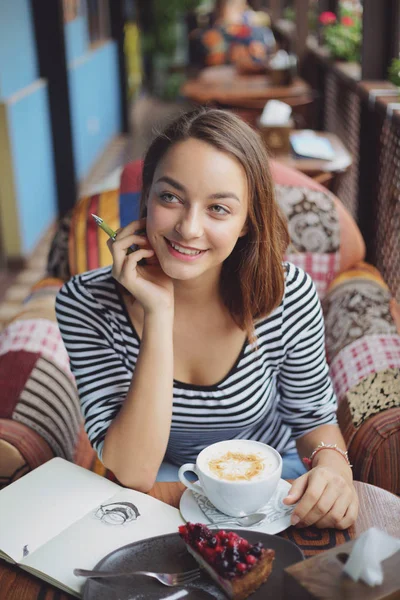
222 533
208 553
244 546
241 567
200 544
250 559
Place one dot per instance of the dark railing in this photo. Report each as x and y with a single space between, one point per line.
366 117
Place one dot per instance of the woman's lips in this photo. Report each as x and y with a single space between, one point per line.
181 255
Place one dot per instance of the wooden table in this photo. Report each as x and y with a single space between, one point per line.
222 86
327 172
377 507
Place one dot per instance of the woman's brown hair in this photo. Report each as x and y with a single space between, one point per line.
252 277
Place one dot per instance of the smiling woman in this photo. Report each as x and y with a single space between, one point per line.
214 337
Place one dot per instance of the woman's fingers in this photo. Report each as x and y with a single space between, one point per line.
120 247
328 509
131 260
335 516
131 228
297 490
310 498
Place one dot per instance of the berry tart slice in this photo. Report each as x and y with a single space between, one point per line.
236 565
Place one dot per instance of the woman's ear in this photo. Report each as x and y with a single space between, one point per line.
245 230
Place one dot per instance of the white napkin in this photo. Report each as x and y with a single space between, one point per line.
365 560
275 112
281 60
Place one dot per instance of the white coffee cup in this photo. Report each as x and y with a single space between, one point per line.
237 476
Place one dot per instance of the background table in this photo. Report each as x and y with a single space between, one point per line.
327 172
222 86
377 507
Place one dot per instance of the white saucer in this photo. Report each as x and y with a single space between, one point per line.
278 514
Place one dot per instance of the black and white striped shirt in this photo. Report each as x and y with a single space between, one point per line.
273 394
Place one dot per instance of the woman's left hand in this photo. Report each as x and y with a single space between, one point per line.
325 497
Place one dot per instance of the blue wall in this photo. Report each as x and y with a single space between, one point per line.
95 104
18 64
76 38
32 152
94 94
29 140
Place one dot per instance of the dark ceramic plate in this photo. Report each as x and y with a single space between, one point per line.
168 554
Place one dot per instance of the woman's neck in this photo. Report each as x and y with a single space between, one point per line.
197 293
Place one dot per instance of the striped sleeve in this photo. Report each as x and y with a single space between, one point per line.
307 396
101 376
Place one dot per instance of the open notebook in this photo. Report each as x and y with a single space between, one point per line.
61 516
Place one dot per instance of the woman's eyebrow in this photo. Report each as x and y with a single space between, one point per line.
222 195
172 182
180 187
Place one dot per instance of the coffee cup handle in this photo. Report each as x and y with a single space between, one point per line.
190 467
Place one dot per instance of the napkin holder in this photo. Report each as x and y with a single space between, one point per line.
277 137
321 578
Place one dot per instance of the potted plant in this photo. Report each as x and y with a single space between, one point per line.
343 35
164 32
394 72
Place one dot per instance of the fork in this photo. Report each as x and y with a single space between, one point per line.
169 579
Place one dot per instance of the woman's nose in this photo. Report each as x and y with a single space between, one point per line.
190 225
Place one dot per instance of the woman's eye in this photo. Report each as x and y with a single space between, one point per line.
168 198
219 210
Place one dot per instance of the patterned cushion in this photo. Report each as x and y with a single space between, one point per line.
361 299
364 352
314 232
39 409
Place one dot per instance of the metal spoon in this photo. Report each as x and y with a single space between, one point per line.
246 521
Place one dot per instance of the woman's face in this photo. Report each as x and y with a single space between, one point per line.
196 210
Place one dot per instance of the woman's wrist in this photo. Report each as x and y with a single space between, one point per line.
333 460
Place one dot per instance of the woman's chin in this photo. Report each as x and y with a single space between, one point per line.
179 272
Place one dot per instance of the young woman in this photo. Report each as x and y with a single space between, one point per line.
214 337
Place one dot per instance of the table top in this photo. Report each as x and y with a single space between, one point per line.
223 84
339 164
378 508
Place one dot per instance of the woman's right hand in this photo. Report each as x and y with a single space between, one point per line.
150 286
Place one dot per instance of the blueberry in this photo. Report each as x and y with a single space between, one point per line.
212 542
256 549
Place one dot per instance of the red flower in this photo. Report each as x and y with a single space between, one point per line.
327 18
347 21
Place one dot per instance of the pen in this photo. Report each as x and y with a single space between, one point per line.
110 232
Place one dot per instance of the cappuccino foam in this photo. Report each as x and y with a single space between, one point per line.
241 464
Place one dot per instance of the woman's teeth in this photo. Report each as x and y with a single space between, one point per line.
185 250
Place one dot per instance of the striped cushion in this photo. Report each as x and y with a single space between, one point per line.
21 450
374 447
87 243
39 408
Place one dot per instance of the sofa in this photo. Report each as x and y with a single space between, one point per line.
39 405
